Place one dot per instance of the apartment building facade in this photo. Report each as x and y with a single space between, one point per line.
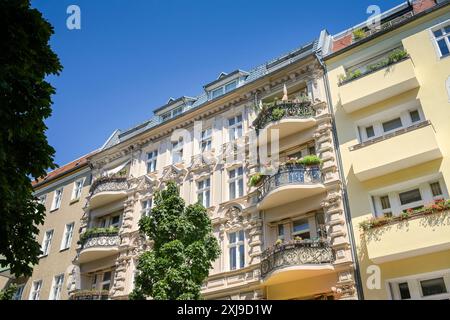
63 192
284 236
390 94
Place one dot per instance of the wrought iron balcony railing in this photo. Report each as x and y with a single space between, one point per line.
90 295
296 253
100 239
284 110
108 184
290 175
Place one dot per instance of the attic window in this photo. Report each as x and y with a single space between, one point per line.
172 113
224 89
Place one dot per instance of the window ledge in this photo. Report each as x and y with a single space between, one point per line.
65 249
74 201
391 135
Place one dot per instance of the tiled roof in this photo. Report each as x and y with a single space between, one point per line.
253 75
78 163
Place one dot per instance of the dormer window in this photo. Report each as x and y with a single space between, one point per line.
224 89
174 107
172 114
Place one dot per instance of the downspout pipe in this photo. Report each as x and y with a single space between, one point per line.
358 280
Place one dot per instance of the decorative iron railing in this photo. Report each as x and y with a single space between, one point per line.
107 184
101 240
284 110
290 175
90 295
296 253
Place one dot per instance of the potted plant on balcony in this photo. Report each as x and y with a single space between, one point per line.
277 114
278 243
310 161
255 180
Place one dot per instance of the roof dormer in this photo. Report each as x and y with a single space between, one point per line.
225 83
174 107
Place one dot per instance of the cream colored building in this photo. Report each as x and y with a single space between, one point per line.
297 202
63 192
392 115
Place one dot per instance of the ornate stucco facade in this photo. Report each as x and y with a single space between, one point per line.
135 163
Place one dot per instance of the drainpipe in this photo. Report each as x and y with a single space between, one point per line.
358 281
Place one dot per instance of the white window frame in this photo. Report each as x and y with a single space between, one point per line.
146 207
57 199
444 35
376 121
19 292
77 189
172 113
204 189
394 197
57 286
206 140
151 161
47 242
35 291
42 199
237 245
106 222
109 282
177 148
298 233
224 89
67 236
415 288
235 179
235 130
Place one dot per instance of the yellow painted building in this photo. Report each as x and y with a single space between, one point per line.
390 94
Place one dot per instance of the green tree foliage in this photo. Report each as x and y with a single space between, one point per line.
183 249
8 293
25 102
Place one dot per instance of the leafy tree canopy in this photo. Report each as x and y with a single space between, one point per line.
183 249
25 102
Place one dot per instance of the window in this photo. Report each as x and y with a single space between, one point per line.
300 229
392 125
404 291
57 199
204 192
115 221
151 161
410 197
433 287
177 111
429 286
236 183
19 292
67 237
146 208
235 127
106 281
77 187
224 89
47 242
442 38
281 231
370 132
55 294
94 281
237 249
436 189
415 116
386 206
177 152
172 113
206 140
42 199
35 290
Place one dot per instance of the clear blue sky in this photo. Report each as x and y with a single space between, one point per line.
130 56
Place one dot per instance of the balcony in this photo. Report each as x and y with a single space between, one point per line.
295 261
98 243
90 295
405 238
378 85
106 190
288 117
291 183
400 150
